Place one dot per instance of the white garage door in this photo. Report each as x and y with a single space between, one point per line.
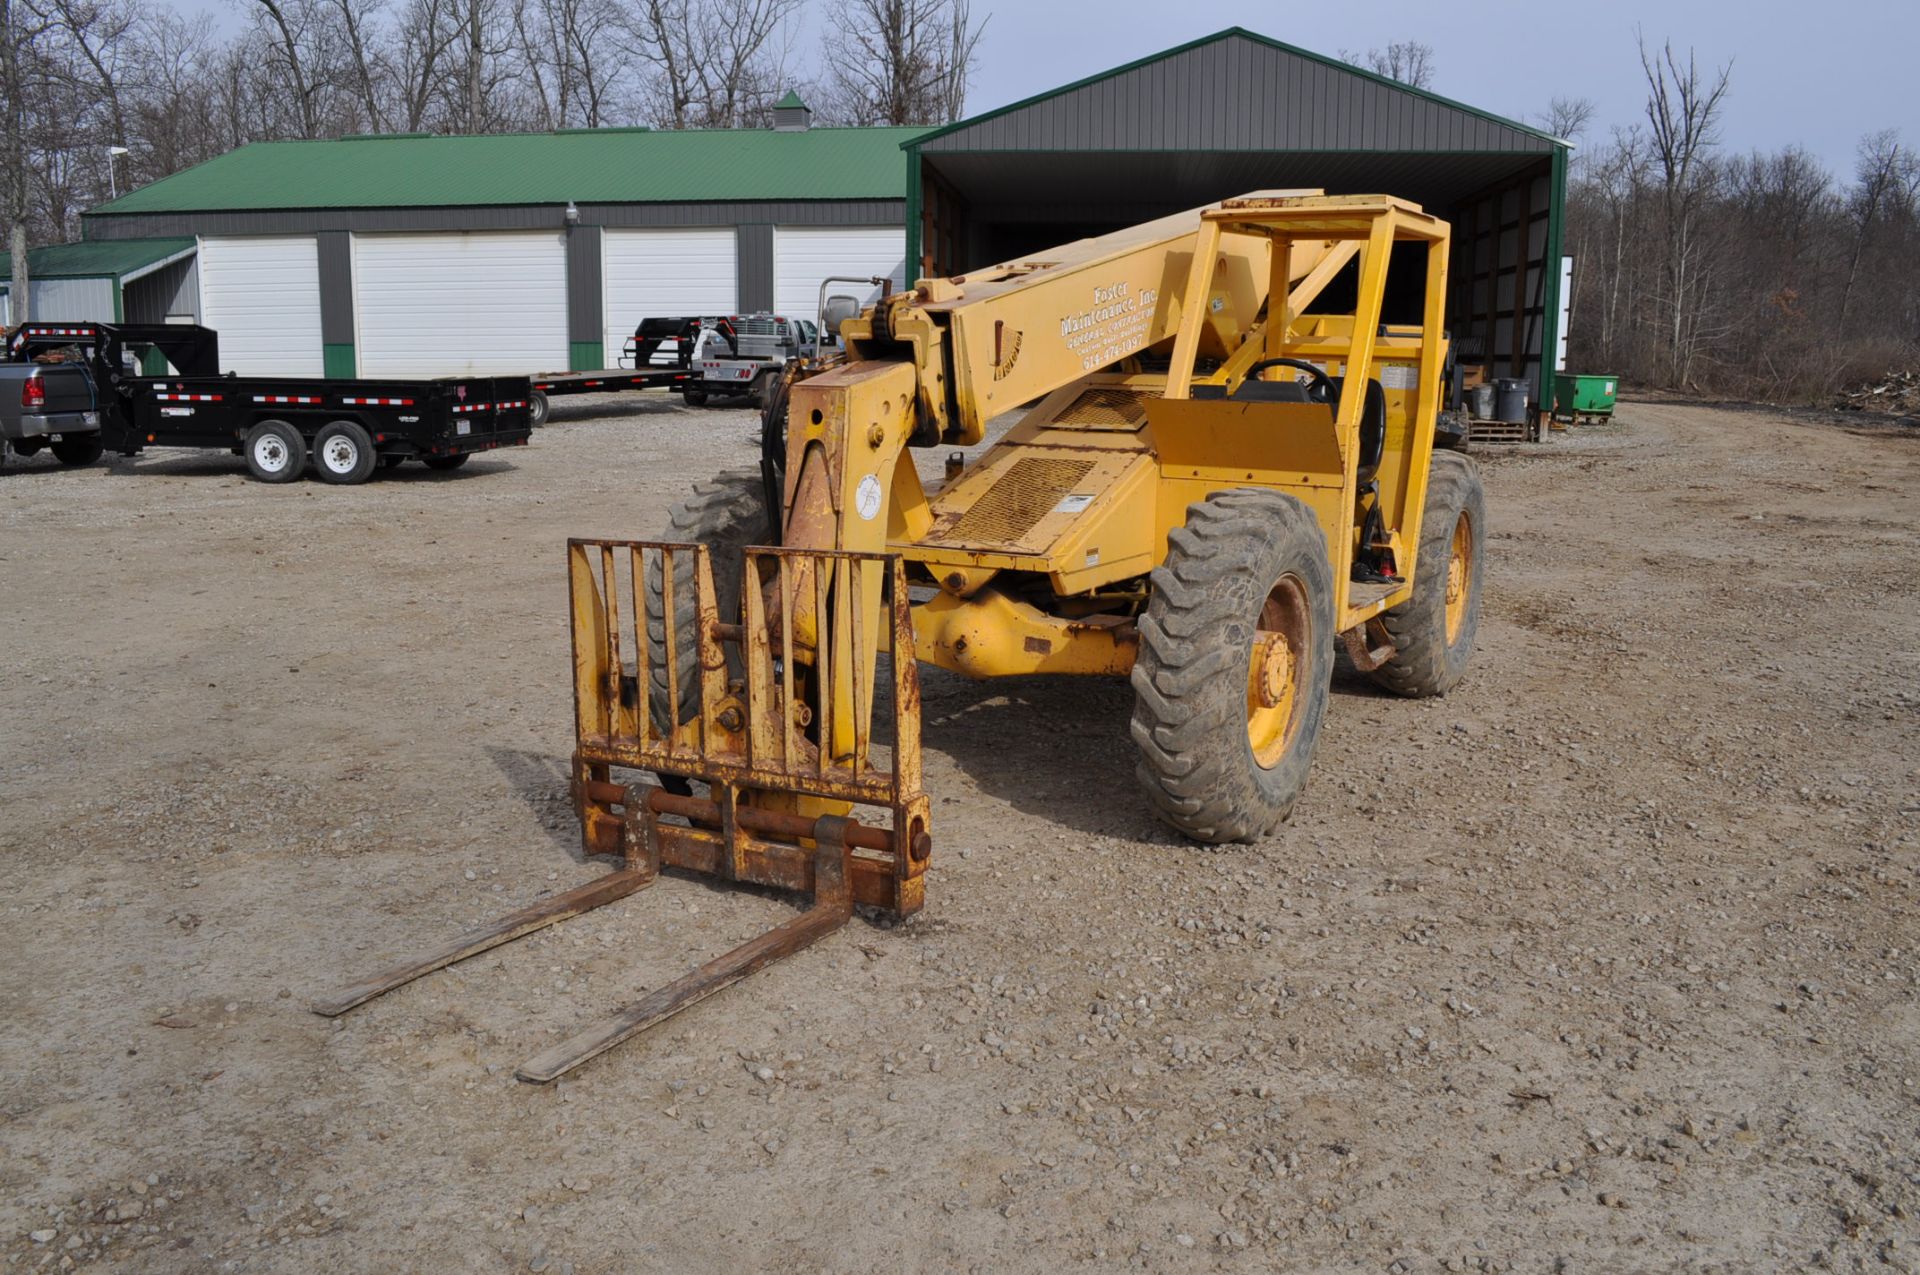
657 274
804 255
263 297
463 304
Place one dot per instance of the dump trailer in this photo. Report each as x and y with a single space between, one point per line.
347 428
1219 479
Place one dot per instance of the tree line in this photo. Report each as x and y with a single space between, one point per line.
1759 276
83 79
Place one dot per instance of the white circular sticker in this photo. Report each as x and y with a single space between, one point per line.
866 498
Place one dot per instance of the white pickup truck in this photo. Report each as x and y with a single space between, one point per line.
743 354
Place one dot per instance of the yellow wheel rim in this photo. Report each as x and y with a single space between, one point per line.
1459 577
1275 661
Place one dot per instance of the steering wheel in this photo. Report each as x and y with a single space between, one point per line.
1321 389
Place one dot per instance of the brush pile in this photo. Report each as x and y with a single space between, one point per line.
1897 394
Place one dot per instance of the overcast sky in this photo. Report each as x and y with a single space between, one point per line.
1819 75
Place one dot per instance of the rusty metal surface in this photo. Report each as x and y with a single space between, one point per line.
1368 645
781 721
832 906
830 871
614 885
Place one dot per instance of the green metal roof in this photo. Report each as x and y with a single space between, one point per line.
926 135
595 166
100 258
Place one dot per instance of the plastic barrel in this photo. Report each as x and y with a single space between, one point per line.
1480 402
1510 400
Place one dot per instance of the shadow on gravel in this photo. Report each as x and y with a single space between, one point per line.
541 780
1057 748
192 463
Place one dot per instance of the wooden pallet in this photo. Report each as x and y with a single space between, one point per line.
1500 432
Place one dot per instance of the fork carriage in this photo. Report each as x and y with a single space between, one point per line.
779 742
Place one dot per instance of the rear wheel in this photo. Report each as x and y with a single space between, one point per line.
80 449
343 453
444 463
1236 654
392 460
1433 631
694 398
275 452
537 409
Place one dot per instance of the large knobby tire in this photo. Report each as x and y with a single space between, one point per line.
79 449
1236 655
726 513
275 452
1433 631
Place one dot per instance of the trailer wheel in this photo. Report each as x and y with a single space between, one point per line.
694 398
537 409
275 452
1236 656
343 453
81 449
444 463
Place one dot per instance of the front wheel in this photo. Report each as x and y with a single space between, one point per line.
1236 655
1433 631
275 452
343 453
80 449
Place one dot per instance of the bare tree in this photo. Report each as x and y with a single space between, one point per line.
1683 112
417 59
356 16
901 61
712 63
290 32
1881 180
1567 117
1408 61
21 25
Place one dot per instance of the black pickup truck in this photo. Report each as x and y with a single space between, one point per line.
348 428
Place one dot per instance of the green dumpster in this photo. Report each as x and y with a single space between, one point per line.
1584 398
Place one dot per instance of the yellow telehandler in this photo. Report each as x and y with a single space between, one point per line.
1221 475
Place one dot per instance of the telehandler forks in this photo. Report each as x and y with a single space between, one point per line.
739 714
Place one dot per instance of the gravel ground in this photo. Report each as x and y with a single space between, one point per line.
1604 962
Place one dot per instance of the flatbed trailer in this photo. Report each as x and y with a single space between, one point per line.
659 355
546 385
348 428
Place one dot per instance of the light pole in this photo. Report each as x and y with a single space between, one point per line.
113 183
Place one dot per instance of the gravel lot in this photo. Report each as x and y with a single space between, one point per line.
1605 962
